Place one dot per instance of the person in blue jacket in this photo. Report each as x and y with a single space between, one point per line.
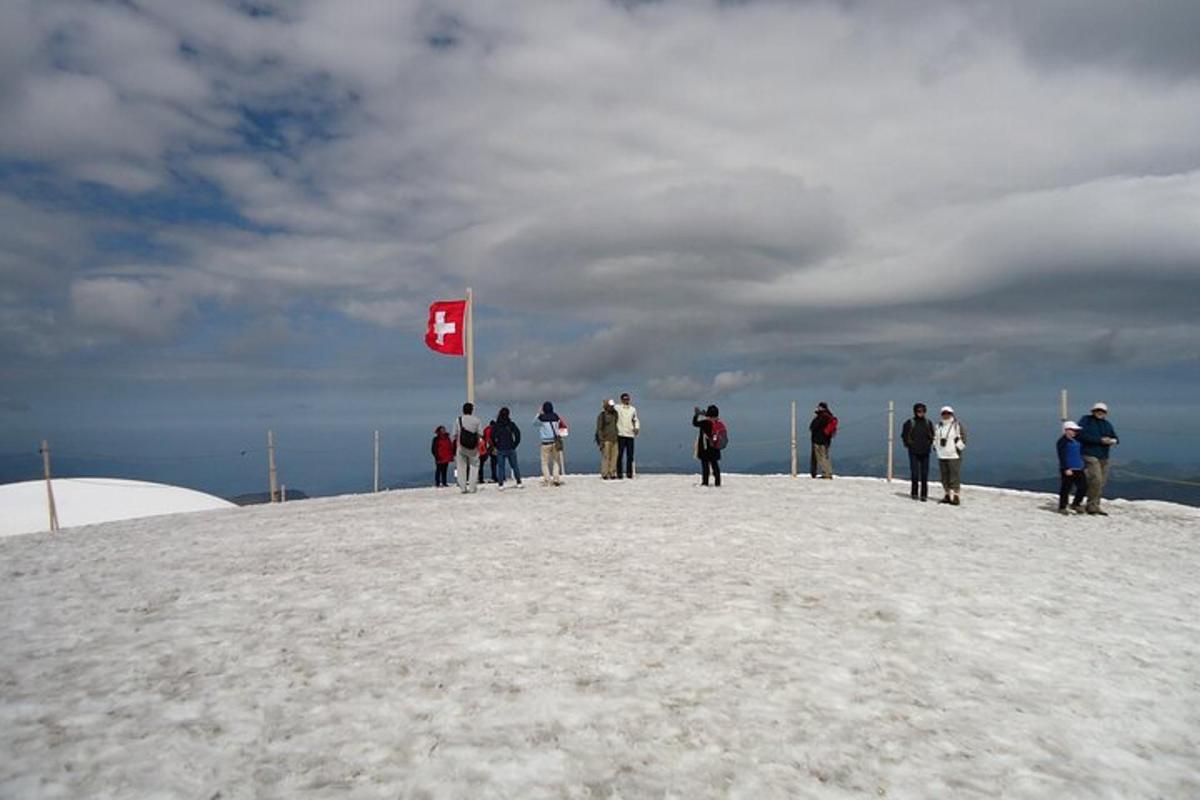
1071 469
546 424
1098 436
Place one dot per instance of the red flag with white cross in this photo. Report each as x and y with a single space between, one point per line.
447 327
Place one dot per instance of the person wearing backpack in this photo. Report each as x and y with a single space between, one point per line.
606 439
711 440
467 430
950 439
506 437
918 435
443 453
547 424
823 428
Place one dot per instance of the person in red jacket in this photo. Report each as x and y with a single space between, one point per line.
487 452
443 453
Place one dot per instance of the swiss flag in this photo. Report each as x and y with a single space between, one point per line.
447 327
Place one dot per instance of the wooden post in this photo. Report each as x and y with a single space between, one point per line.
469 342
283 493
272 475
891 440
1063 413
49 486
376 462
793 438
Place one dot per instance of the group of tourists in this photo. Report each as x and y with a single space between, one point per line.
1083 453
472 446
1083 449
948 439
1083 457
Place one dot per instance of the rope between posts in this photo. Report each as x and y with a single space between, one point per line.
1143 476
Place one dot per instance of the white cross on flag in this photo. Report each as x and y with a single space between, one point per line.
447 326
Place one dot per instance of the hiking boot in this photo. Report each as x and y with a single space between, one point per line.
1097 512
957 501
1064 512
945 501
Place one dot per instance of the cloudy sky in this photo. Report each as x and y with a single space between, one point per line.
216 210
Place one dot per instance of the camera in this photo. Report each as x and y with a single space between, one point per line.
942 443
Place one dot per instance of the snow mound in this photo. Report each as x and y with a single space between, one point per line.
773 639
88 501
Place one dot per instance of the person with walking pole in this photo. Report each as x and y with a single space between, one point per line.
917 436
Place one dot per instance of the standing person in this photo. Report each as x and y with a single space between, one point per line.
487 453
467 434
711 439
607 438
547 428
506 437
628 427
918 436
1097 435
823 428
443 453
1071 469
950 439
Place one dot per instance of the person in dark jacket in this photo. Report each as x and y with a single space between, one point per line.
823 428
607 438
1071 469
506 438
1098 436
706 446
917 435
443 453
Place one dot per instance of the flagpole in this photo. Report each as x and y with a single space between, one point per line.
470 346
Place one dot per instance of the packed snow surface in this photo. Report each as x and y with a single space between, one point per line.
773 639
88 501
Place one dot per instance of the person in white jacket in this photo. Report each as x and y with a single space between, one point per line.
628 427
949 440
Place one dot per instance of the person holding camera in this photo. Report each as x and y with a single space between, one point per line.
1098 436
949 442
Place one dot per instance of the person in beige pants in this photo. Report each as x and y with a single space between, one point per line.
606 439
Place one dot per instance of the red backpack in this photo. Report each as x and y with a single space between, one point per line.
719 438
831 427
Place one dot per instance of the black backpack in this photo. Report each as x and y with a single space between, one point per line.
468 440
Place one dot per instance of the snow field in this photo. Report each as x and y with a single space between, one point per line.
773 639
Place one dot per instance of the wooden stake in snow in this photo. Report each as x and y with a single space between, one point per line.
49 486
891 439
376 462
793 438
272 475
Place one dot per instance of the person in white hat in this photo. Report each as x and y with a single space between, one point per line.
1070 469
606 439
950 439
1098 436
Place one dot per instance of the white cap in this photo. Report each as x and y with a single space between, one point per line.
610 402
1070 425
947 410
1100 407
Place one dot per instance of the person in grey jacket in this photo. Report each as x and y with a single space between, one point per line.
467 432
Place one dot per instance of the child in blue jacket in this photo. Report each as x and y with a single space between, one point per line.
1071 469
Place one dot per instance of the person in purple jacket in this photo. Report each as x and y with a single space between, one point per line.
1071 469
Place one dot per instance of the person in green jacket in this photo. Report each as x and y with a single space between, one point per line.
607 439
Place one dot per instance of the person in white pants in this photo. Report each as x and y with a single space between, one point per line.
467 430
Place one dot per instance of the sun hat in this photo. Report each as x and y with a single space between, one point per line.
1071 425
947 410
1100 407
